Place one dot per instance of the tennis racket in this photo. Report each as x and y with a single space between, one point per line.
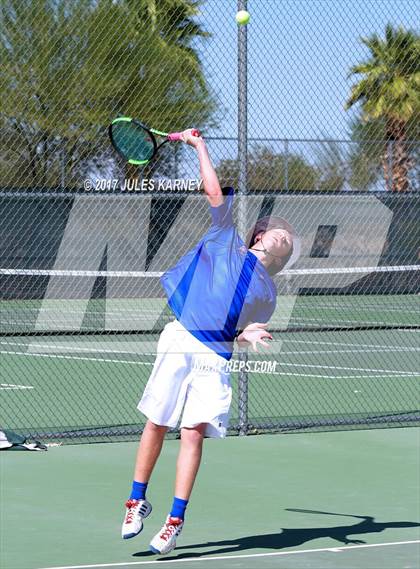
136 142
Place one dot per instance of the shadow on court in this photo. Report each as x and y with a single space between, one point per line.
291 537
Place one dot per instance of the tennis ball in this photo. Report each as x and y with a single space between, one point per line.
242 17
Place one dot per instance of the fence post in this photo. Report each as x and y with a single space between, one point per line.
63 167
176 162
242 122
390 181
242 191
243 394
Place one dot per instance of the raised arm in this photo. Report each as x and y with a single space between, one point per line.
208 174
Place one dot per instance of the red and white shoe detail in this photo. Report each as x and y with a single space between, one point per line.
165 541
136 511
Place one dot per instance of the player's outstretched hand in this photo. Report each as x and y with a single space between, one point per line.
189 138
255 334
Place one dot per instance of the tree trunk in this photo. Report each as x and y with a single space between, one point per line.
396 161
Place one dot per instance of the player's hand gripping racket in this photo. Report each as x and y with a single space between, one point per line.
136 143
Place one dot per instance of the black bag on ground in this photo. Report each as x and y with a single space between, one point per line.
10 440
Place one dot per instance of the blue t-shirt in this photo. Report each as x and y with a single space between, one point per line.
219 286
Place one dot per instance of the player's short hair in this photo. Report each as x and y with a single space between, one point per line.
273 222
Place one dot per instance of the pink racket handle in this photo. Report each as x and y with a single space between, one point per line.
178 135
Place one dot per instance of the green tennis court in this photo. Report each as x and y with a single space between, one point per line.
131 314
316 500
63 508
89 385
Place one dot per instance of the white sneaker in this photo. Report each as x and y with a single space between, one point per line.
137 510
165 541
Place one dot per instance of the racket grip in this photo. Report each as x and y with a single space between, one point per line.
178 135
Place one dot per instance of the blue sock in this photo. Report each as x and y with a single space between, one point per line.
178 508
138 491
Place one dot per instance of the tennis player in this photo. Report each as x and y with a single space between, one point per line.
219 291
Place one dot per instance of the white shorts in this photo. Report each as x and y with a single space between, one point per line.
187 376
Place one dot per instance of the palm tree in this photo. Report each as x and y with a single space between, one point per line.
389 90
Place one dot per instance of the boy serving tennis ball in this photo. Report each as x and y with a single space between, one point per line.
218 291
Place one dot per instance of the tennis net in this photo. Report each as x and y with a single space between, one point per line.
67 302
78 347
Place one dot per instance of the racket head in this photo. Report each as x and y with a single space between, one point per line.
132 140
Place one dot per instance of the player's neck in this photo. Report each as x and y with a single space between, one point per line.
261 256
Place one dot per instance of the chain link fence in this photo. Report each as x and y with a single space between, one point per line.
310 112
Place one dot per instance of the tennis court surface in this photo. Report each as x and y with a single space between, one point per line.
310 116
64 508
77 349
69 388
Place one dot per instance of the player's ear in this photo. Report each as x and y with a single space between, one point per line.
258 236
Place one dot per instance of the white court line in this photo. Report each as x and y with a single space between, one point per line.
32 354
325 343
365 308
360 348
320 322
354 351
298 374
284 373
365 369
389 373
280 373
151 312
227 557
4 386
63 347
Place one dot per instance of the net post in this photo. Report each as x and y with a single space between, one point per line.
243 393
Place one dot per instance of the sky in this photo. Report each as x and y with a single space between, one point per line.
299 56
